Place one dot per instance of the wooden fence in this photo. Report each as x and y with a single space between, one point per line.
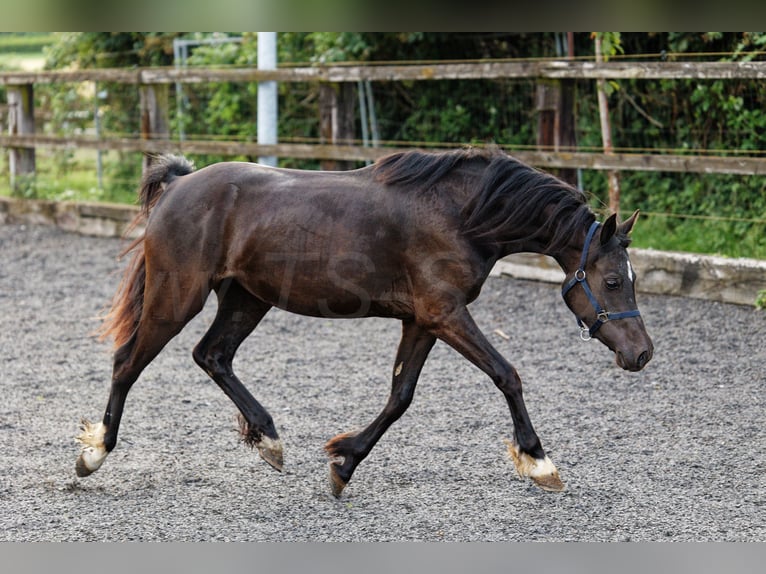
153 84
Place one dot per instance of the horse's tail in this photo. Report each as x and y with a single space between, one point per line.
122 319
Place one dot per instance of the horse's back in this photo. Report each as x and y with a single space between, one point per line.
317 243
253 199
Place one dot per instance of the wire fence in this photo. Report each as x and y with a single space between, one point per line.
719 118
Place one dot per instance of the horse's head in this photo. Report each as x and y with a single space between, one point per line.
601 292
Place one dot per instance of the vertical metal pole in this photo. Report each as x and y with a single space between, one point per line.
154 114
179 89
267 95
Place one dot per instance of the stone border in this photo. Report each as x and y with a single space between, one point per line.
684 274
88 218
665 273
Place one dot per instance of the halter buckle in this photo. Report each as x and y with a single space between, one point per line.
603 316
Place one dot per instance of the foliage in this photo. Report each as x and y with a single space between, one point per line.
734 229
720 213
328 47
688 211
24 187
119 108
611 44
111 49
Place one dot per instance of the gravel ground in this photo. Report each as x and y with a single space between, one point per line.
674 453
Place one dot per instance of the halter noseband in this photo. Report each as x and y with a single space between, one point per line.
602 316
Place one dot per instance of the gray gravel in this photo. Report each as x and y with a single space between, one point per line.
676 452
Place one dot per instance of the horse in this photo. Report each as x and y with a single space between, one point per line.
411 237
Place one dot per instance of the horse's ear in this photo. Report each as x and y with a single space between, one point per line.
608 229
627 226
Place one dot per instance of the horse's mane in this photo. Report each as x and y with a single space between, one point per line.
422 169
508 198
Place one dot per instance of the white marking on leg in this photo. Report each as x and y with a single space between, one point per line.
534 467
398 370
542 471
93 452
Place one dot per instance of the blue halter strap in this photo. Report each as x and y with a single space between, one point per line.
602 316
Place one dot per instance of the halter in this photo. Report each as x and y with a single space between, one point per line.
602 316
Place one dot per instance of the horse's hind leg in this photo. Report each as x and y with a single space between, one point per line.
239 313
167 309
350 449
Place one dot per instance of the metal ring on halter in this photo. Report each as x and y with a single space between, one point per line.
603 316
585 334
579 275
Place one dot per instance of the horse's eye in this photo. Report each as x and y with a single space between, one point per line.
612 284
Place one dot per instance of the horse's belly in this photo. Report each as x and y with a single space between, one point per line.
331 291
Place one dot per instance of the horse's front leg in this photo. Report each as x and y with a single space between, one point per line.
458 329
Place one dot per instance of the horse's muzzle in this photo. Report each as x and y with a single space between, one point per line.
634 363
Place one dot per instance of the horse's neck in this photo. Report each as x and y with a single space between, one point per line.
568 258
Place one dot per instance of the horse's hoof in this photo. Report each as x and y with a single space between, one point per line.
549 483
92 450
337 484
271 451
542 471
81 468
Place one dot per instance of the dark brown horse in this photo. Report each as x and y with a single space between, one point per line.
412 237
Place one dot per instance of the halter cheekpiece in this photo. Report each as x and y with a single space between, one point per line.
602 316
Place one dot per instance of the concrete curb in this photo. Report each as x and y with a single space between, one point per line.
684 274
87 218
664 273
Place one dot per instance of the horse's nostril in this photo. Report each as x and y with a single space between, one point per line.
643 358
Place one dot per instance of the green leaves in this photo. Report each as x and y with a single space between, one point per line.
760 301
611 44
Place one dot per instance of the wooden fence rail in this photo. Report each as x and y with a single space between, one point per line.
545 159
153 82
403 72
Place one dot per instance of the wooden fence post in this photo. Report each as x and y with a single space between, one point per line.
547 98
554 103
336 120
21 121
154 115
566 128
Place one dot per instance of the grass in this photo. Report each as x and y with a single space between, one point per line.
23 51
709 236
22 62
25 41
72 176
